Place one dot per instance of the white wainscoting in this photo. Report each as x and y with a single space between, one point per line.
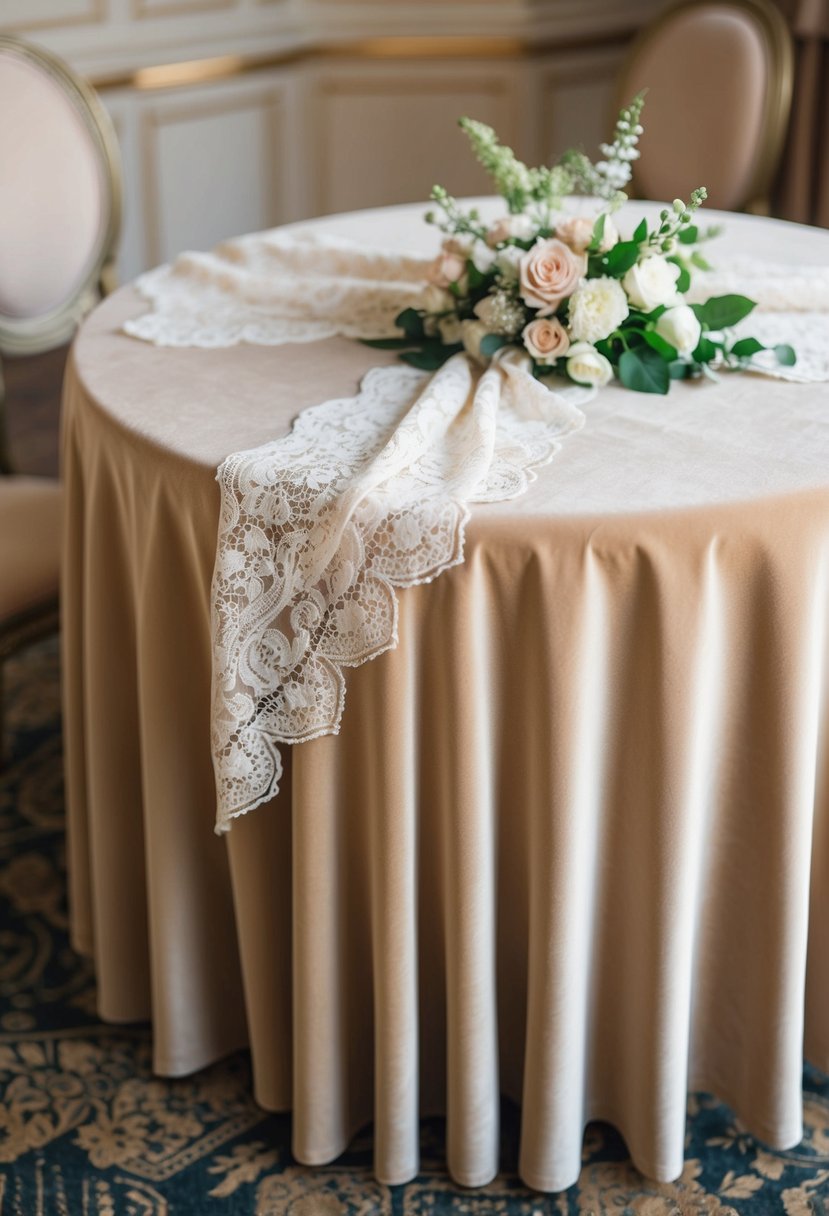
271 125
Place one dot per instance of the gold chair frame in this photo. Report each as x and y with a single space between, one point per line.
779 46
29 336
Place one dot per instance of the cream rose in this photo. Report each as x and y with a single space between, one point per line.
436 299
510 227
450 330
586 366
548 274
472 334
652 282
597 308
680 327
546 339
577 232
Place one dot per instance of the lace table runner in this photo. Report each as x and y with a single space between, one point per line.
370 493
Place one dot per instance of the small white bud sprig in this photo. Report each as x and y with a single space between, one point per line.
615 170
673 220
454 220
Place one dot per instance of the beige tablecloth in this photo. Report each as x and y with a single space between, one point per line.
572 843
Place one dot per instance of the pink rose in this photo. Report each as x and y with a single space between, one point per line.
546 338
509 227
577 232
450 264
549 273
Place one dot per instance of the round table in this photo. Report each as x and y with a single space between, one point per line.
572 842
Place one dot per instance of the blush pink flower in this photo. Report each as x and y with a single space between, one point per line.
546 338
549 273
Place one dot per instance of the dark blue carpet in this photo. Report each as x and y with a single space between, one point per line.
86 1130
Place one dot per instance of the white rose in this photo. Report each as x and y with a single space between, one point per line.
483 258
652 282
597 308
450 330
586 366
680 327
472 334
515 227
508 262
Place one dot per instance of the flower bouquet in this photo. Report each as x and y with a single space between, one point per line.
567 289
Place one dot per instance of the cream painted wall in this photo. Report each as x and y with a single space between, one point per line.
310 131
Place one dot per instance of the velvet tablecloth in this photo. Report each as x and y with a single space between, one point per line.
572 842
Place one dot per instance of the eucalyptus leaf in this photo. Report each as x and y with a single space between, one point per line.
721 312
644 371
746 347
680 370
492 342
689 235
785 354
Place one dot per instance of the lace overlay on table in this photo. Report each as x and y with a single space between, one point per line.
369 494
318 529
276 288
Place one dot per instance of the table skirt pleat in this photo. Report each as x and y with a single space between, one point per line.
570 846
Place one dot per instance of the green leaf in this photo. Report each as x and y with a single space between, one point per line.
644 371
700 262
598 234
721 312
474 275
689 235
621 258
492 342
684 280
641 232
785 354
387 343
746 347
411 322
706 351
680 370
431 357
658 343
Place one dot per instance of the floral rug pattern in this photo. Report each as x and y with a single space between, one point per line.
87 1130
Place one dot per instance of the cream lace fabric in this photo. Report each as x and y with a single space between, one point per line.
371 493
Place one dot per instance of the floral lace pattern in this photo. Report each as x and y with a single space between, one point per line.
275 288
369 494
318 530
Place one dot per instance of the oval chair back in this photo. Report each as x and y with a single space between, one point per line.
719 77
60 198
60 212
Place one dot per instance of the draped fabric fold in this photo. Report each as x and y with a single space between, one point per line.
571 843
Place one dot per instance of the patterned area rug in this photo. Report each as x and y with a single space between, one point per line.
86 1130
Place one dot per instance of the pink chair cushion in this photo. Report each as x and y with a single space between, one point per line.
52 192
30 514
707 74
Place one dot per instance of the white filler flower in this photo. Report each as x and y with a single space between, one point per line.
680 327
597 308
651 283
586 366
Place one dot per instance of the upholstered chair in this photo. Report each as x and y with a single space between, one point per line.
719 80
59 219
